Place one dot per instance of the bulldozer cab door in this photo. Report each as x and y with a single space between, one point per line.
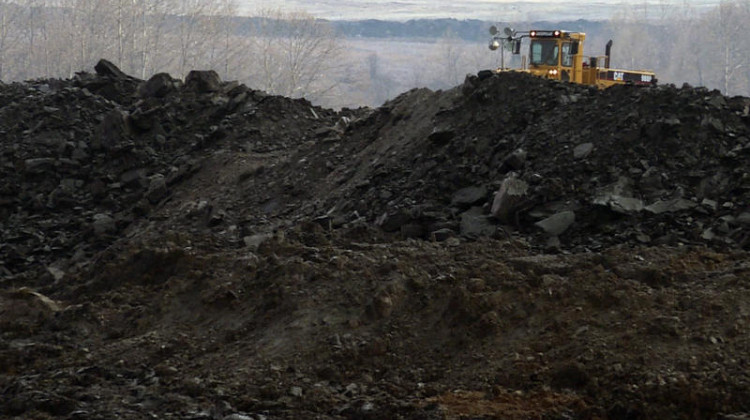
567 57
569 71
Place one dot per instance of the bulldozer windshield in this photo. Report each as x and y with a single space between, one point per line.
544 52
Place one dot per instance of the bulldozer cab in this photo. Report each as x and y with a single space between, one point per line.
544 52
555 55
558 55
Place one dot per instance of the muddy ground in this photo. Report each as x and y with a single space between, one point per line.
512 248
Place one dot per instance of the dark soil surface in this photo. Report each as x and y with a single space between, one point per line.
512 248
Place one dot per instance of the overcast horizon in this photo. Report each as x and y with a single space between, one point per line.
491 10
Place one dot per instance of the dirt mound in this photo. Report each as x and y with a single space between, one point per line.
650 166
200 250
83 159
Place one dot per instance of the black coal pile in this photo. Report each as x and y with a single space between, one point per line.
565 165
196 249
87 161
82 159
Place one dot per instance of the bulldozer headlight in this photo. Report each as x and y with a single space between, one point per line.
532 33
494 45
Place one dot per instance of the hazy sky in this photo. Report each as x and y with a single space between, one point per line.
498 10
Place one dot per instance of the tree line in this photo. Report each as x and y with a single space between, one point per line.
293 54
708 49
283 53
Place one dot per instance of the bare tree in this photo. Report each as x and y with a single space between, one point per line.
682 64
479 57
381 86
189 14
450 53
9 15
635 41
153 29
727 45
219 29
681 46
294 52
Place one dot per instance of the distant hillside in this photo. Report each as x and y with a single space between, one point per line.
469 30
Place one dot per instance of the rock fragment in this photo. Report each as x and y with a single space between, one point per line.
620 204
103 224
743 219
474 224
517 159
442 235
255 241
507 199
469 196
158 86
442 135
203 81
558 223
157 188
670 206
583 150
107 68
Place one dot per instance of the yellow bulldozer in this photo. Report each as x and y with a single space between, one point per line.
558 55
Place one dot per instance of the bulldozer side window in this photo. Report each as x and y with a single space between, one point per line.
567 57
574 48
544 52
